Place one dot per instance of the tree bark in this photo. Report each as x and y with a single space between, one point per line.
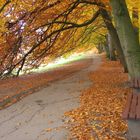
100 48
114 35
106 48
127 36
135 20
111 49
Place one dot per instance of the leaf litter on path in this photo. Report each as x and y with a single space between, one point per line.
101 106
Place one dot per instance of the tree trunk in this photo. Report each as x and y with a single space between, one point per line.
106 48
114 35
127 36
111 48
100 48
135 20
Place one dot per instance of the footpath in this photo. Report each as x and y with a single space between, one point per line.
40 116
86 103
14 89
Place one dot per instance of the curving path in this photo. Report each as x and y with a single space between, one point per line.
39 116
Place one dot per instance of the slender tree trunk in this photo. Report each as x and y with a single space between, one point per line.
127 36
106 48
100 48
114 35
111 48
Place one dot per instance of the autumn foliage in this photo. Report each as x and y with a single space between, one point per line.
101 106
32 32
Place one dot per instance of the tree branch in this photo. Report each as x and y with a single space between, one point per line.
4 5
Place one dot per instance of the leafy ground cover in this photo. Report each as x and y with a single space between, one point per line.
101 106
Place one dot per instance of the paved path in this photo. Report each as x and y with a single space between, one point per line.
34 116
14 89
